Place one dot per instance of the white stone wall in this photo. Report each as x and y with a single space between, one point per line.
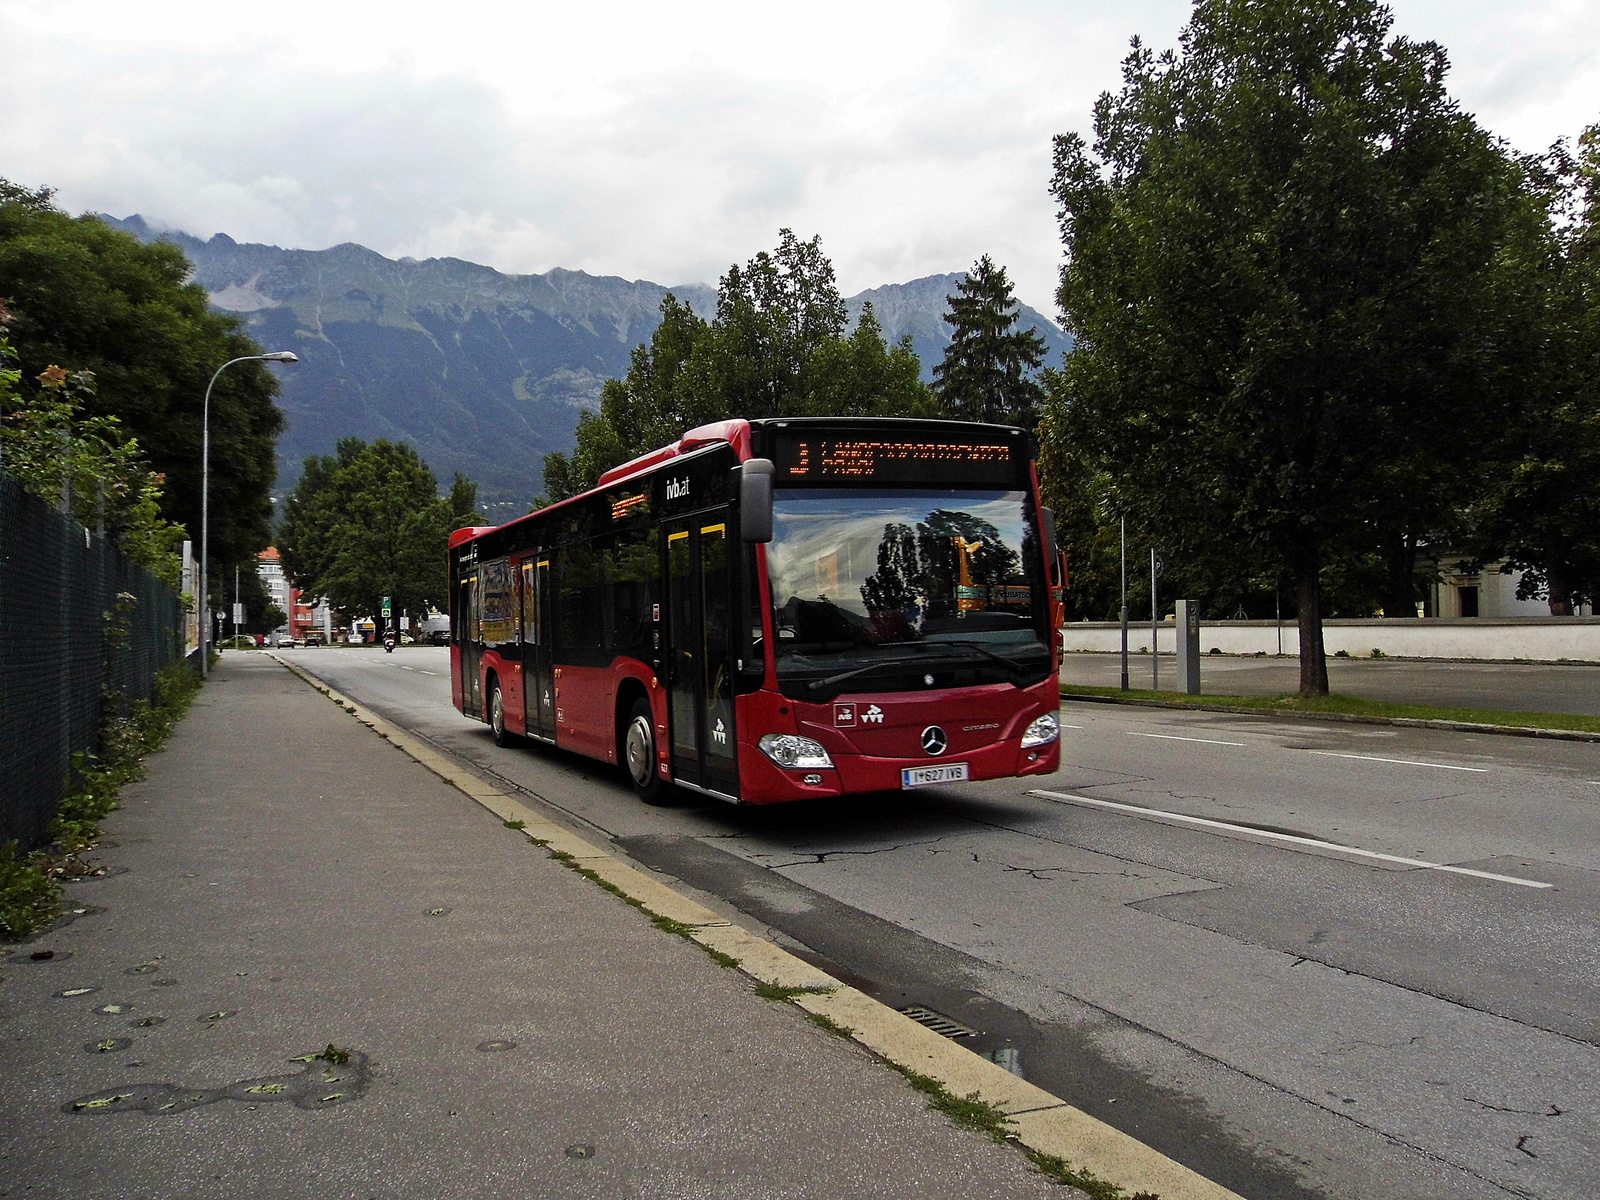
1541 639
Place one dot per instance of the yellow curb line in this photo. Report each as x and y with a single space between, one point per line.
1041 1121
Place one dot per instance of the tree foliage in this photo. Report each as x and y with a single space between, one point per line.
1539 508
56 452
1282 255
778 345
368 522
97 300
988 368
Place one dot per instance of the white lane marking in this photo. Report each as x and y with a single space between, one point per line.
1401 762
1072 727
403 667
1318 843
430 672
1172 737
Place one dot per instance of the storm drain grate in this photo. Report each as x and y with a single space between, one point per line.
937 1022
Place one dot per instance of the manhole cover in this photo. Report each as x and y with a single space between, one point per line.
937 1022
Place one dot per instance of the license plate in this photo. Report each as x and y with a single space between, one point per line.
915 777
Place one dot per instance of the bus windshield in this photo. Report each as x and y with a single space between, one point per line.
880 590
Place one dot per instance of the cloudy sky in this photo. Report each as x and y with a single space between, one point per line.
656 141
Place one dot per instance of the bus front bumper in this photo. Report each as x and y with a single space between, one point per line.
764 782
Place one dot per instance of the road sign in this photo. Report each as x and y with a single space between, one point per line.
1158 565
388 611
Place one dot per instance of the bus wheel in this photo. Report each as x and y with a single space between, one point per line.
497 717
639 754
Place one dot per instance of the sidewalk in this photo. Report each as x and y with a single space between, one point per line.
283 880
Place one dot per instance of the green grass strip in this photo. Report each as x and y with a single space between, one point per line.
667 924
773 991
982 1117
1087 1182
1351 706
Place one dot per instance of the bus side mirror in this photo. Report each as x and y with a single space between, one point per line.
1052 551
755 500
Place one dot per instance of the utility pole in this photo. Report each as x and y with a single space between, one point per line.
235 606
1155 619
1124 603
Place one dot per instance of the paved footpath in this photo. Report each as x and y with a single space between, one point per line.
283 880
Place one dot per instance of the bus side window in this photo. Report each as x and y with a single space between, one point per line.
581 580
530 606
497 624
633 586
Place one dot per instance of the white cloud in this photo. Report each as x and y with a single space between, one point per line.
648 140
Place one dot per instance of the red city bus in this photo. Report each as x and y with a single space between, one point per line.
777 609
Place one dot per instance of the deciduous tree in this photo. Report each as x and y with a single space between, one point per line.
59 454
93 299
1280 275
777 346
368 522
1539 508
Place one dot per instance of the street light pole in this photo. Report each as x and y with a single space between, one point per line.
204 600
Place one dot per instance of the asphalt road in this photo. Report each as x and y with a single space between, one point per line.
1519 687
1219 933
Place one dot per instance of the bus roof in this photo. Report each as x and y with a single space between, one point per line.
735 432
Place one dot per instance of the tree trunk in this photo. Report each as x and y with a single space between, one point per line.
1400 577
1313 656
1560 588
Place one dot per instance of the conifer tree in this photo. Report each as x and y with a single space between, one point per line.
987 372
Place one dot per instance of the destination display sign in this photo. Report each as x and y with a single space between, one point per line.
802 457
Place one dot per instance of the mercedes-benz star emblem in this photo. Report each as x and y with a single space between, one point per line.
934 740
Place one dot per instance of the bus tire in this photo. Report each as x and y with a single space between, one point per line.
496 707
639 754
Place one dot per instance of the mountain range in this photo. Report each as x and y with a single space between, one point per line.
483 372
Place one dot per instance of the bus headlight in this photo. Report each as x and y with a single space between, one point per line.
794 753
1042 732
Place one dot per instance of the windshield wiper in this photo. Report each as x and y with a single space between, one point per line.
816 685
1015 670
1010 663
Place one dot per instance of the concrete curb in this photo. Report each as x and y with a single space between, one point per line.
1528 731
1043 1123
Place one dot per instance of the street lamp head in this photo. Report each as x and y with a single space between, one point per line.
283 356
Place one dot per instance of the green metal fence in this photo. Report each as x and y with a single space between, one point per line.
83 632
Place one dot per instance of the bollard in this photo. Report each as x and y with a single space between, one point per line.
1187 635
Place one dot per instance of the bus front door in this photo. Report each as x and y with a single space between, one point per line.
537 697
470 625
700 653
